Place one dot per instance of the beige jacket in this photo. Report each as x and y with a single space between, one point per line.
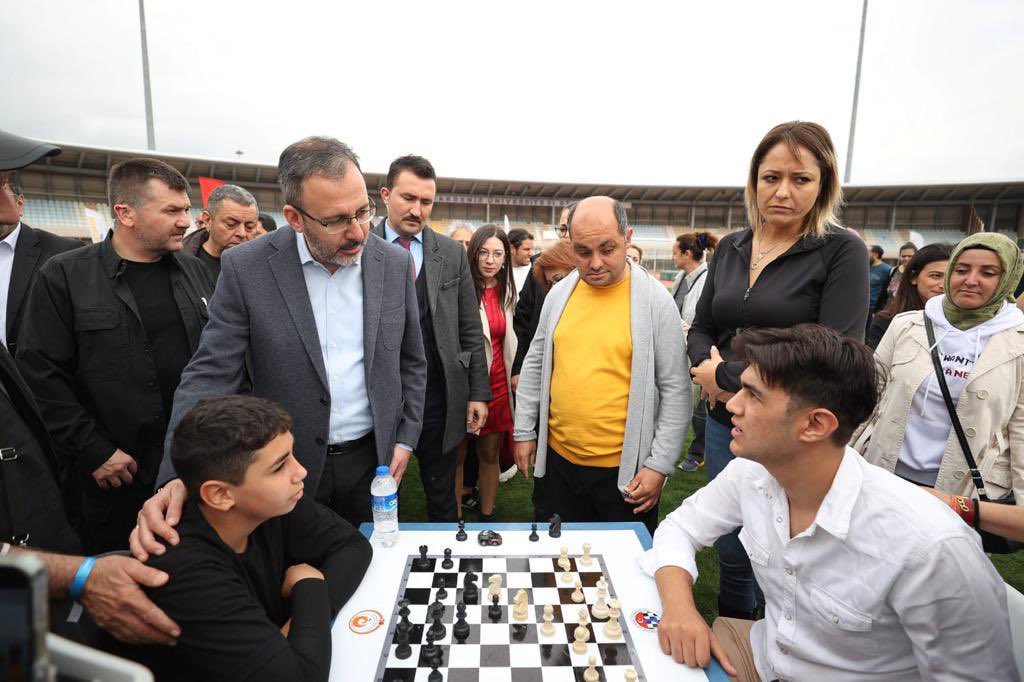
509 346
991 409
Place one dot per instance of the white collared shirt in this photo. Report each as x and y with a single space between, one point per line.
337 302
415 244
7 247
887 581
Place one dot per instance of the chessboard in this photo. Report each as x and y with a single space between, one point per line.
411 620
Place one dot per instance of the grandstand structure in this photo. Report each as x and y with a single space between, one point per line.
66 194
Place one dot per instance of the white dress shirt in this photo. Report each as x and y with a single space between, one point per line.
415 245
7 247
337 302
695 282
887 581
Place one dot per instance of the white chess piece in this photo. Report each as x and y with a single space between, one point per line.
630 675
521 605
586 560
563 560
577 594
591 674
580 637
566 575
494 586
600 607
547 629
613 629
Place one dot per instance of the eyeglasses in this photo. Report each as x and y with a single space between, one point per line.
563 231
496 255
336 225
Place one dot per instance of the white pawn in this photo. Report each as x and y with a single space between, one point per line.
585 560
630 675
548 627
521 606
577 594
563 560
566 575
600 608
591 674
580 636
612 629
602 586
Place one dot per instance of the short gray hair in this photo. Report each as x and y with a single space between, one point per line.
234 193
460 225
315 155
621 219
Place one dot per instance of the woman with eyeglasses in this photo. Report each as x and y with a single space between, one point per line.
490 266
922 279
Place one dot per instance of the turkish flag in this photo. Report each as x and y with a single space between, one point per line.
207 185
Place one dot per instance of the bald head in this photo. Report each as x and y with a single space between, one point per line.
599 234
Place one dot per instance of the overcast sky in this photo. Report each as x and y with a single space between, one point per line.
628 92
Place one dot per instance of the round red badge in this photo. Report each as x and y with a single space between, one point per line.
365 622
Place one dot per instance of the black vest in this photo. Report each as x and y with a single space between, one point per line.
434 401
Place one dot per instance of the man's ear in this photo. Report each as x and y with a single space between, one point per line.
205 216
217 495
816 425
629 236
293 217
385 194
124 214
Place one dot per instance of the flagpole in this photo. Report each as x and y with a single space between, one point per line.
150 137
856 94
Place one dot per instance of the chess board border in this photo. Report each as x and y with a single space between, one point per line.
714 672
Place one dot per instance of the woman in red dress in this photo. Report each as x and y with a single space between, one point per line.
492 276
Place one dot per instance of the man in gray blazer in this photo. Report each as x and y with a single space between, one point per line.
457 374
327 314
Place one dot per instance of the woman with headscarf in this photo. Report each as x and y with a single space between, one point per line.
979 336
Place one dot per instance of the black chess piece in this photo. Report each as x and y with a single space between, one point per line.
460 631
403 650
435 675
555 526
470 592
494 611
447 564
533 533
423 561
437 628
461 536
430 651
435 607
442 593
403 611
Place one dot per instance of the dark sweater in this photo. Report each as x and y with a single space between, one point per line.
823 280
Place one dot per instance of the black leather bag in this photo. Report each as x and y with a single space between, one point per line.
993 544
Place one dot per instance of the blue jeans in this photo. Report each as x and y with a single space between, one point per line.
738 591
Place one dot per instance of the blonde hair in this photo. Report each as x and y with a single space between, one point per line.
815 139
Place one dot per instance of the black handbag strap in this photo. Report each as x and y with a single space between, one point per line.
15 504
979 482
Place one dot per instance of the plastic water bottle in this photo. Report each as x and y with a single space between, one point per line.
384 494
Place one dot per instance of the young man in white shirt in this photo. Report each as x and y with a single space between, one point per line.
863 573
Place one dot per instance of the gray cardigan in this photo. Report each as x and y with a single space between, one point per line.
659 385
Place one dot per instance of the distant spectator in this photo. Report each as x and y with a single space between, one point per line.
634 253
922 279
906 253
267 224
462 233
878 274
522 251
230 218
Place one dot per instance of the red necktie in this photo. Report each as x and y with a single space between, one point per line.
406 243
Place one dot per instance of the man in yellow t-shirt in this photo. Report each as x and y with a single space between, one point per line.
603 400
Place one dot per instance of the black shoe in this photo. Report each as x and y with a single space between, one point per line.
472 500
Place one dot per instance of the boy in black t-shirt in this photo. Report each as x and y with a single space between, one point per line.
259 571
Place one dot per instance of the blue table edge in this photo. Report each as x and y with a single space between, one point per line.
714 672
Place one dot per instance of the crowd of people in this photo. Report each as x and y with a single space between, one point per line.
195 420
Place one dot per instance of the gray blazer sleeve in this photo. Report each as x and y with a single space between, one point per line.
531 386
412 365
672 374
471 335
218 366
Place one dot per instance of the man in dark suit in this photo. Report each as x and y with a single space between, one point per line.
327 313
23 250
457 374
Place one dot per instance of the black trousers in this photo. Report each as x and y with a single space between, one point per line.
349 469
437 469
108 516
581 493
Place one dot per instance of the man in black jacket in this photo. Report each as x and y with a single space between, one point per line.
230 218
23 250
108 329
453 341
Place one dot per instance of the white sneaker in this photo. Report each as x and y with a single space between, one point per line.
508 474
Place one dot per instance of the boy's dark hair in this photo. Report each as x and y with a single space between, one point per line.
517 236
218 438
416 165
128 181
877 250
268 222
817 367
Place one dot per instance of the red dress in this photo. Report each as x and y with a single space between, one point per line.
499 410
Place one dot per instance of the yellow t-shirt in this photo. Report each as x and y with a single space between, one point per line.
593 355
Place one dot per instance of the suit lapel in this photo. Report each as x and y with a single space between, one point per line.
26 255
432 253
287 269
373 293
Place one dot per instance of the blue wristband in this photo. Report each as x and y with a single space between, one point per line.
81 575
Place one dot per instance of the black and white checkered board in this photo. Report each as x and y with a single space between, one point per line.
507 651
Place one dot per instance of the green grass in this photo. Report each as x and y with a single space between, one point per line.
515 505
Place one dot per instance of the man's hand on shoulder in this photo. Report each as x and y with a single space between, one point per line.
158 517
114 598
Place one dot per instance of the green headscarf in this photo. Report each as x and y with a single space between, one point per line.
1013 268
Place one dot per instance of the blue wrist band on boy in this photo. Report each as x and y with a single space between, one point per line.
81 575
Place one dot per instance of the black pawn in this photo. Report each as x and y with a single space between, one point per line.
555 527
447 564
494 611
437 629
435 675
461 535
442 593
403 611
460 631
533 533
435 607
430 651
423 561
403 650
470 593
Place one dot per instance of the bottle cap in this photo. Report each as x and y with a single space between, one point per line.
383 470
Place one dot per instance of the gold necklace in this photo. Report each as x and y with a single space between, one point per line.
764 252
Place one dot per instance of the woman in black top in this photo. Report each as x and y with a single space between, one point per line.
922 278
795 264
